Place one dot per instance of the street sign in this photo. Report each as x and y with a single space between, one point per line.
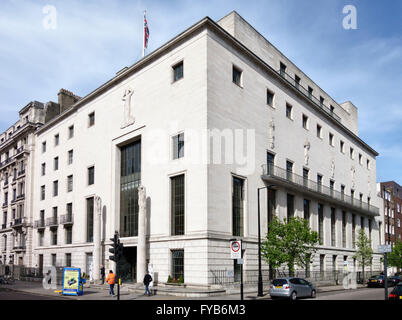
384 248
235 250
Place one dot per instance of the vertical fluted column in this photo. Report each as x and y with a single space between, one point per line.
97 238
141 247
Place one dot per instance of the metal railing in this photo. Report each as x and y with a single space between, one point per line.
66 219
39 224
250 277
52 222
283 174
305 92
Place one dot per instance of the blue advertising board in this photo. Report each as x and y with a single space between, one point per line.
73 285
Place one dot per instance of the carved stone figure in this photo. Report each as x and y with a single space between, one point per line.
128 118
272 134
142 198
306 152
353 173
332 168
98 205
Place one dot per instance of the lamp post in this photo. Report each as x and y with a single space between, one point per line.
260 284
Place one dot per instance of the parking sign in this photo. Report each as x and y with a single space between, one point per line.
235 249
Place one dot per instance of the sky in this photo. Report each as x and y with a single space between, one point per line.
88 41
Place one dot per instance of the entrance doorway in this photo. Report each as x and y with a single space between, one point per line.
41 264
128 265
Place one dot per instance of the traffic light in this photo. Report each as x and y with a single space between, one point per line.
117 249
113 250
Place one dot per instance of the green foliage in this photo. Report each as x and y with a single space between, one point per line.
364 253
181 280
394 258
169 279
291 243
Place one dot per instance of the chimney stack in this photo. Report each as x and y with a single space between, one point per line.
66 99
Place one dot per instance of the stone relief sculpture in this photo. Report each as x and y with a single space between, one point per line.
332 168
98 205
306 152
353 172
128 118
142 198
272 134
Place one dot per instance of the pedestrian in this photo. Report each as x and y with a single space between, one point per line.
102 272
110 279
147 281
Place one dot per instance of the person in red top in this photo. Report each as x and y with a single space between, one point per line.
110 279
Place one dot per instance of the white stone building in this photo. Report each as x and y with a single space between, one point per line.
152 124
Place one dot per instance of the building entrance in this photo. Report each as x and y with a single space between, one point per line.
128 265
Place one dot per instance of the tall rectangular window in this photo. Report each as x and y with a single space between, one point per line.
55 188
282 69
90 220
353 231
238 206
289 111
91 119
344 229
68 260
54 237
70 157
177 264
289 170
270 163
178 71
321 222
178 146
305 122
71 132
305 177
310 92
342 146
333 227
306 209
297 81
53 259
178 204
237 76
319 130
319 182
43 170
270 98
69 235
271 205
56 140
42 193
44 147
290 206
331 139
70 183
91 176
56 164
130 180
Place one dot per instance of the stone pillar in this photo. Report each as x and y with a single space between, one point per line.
141 247
97 239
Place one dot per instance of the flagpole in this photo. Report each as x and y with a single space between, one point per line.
143 35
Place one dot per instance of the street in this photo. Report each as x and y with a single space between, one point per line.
360 294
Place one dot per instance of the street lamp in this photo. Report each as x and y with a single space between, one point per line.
260 284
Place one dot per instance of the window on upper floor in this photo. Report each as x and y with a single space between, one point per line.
270 98
70 183
319 131
305 121
360 159
289 111
297 81
42 192
178 146
368 164
91 176
282 69
44 147
178 71
70 132
237 76
70 157
310 92
43 170
56 140
342 146
321 101
352 153
91 119
331 139
56 163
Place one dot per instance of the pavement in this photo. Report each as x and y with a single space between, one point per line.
99 292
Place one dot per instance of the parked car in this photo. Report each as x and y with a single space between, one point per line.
396 294
396 279
378 281
291 288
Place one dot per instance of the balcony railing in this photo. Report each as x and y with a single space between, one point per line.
5 204
19 248
4 226
52 222
20 173
21 197
17 223
312 186
66 219
305 92
39 224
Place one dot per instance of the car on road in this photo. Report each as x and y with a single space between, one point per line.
291 288
396 294
379 281
396 279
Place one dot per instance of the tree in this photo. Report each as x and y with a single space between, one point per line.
395 257
292 243
364 252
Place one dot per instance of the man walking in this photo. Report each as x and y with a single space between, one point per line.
102 272
110 279
147 281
